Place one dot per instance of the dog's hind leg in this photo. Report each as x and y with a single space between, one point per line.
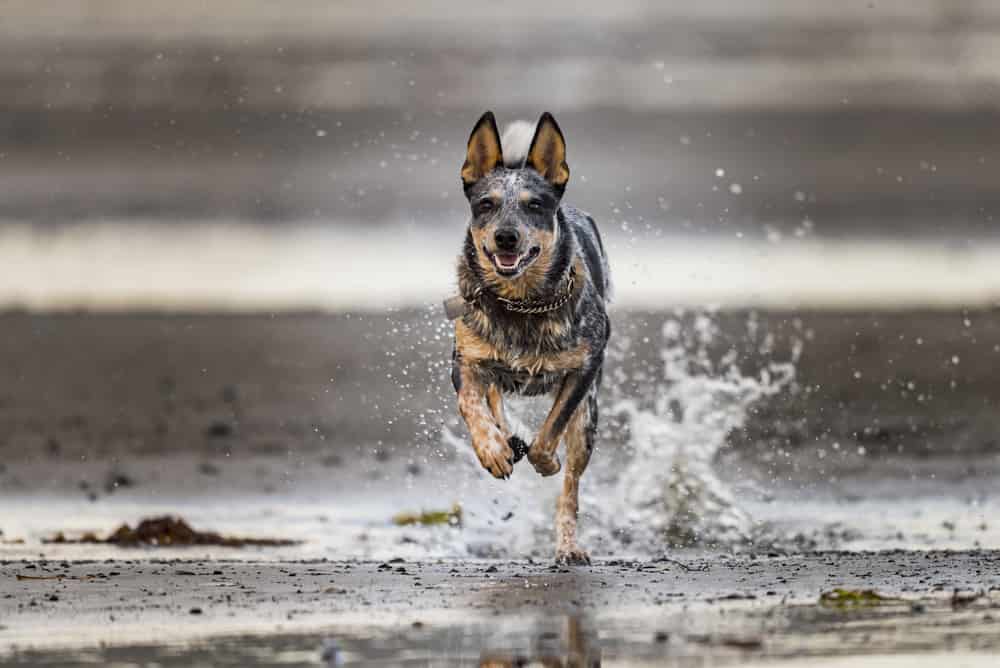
579 438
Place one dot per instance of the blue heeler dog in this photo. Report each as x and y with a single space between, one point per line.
531 319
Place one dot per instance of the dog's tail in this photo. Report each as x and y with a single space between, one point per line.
515 142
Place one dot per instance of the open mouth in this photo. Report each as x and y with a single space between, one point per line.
509 264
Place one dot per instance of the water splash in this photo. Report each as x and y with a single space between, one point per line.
669 405
668 493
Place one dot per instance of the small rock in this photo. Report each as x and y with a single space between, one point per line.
116 479
332 461
208 468
330 653
219 429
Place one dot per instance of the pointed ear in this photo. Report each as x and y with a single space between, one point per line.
547 154
484 150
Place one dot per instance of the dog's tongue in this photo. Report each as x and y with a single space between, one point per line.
507 260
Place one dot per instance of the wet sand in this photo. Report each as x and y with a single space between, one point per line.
917 383
716 609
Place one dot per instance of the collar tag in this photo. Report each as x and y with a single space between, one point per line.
455 307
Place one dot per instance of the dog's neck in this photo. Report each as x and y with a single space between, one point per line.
539 307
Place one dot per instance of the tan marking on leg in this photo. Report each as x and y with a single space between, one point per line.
577 458
495 401
487 440
542 453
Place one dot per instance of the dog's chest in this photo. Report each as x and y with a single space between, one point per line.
523 359
529 372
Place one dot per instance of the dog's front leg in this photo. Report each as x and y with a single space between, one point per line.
494 399
488 440
574 388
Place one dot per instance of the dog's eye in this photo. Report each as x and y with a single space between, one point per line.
485 206
535 205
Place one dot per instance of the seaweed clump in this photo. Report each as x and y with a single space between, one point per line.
167 531
430 518
853 598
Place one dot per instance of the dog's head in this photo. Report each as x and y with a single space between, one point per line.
514 188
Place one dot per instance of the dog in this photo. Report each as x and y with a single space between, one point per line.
531 316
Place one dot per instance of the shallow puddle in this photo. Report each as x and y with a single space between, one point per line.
896 633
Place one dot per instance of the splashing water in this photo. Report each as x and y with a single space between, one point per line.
668 492
651 483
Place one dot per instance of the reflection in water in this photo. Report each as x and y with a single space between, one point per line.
553 650
678 636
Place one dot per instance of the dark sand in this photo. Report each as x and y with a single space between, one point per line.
908 395
915 383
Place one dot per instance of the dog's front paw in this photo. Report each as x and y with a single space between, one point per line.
572 556
545 464
496 456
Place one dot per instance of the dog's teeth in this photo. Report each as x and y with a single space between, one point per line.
502 265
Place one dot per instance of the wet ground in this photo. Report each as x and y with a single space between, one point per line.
692 610
872 466
915 383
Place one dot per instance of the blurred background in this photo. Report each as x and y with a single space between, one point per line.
253 155
226 228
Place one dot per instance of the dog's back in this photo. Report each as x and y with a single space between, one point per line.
588 239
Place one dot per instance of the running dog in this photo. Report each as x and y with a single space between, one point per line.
530 319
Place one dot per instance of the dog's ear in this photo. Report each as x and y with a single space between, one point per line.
484 152
547 154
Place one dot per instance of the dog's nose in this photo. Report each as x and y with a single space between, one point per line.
507 239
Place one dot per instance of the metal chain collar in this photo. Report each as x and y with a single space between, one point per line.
535 307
